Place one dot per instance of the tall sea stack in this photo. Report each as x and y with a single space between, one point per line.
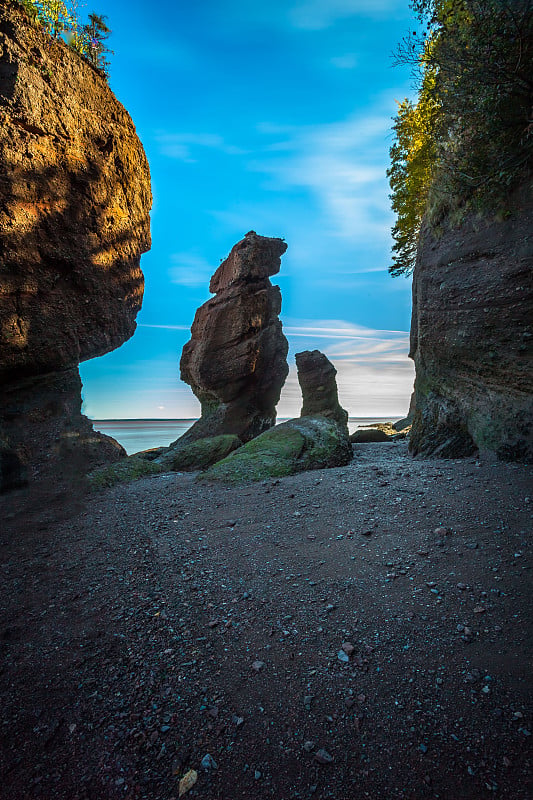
236 359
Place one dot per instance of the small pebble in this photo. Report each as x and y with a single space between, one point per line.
342 656
323 757
208 763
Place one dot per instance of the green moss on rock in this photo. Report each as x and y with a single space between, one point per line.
124 471
200 454
294 446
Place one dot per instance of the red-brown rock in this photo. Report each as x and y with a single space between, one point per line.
316 376
236 359
74 206
74 219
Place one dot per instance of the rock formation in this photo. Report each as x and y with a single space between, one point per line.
198 454
317 440
471 336
74 216
406 422
369 435
316 376
236 359
294 446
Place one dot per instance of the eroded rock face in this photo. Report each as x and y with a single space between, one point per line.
42 421
74 219
471 337
316 376
236 359
74 206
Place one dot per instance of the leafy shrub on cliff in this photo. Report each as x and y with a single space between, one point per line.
469 137
59 17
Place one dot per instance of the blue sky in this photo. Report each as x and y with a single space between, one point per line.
274 117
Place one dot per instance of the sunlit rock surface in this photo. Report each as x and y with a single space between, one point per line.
74 213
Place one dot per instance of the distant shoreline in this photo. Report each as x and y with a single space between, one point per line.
136 435
193 419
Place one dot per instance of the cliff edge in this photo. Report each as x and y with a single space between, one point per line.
472 338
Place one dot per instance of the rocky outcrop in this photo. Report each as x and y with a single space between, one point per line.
471 336
200 454
74 206
47 431
317 440
316 376
74 213
236 359
294 446
406 422
380 432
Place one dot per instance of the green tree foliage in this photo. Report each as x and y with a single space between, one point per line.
55 16
60 18
469 137
96 32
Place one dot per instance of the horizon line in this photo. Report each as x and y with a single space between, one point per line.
194 419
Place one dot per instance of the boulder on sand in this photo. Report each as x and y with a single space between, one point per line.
201 454
366 435
317 440
294 446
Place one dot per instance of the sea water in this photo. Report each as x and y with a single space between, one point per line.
142 434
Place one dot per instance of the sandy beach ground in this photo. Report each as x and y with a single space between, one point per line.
164 631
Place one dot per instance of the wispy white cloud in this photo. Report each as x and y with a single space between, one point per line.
335 329
315 15
190 269
374 374
183 146
342 164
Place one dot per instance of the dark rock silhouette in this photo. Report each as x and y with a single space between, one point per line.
236 359
367 435
74 219
407 421
472 337
316 375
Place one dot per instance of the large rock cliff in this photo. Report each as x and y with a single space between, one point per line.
74 214
472 338
74 206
